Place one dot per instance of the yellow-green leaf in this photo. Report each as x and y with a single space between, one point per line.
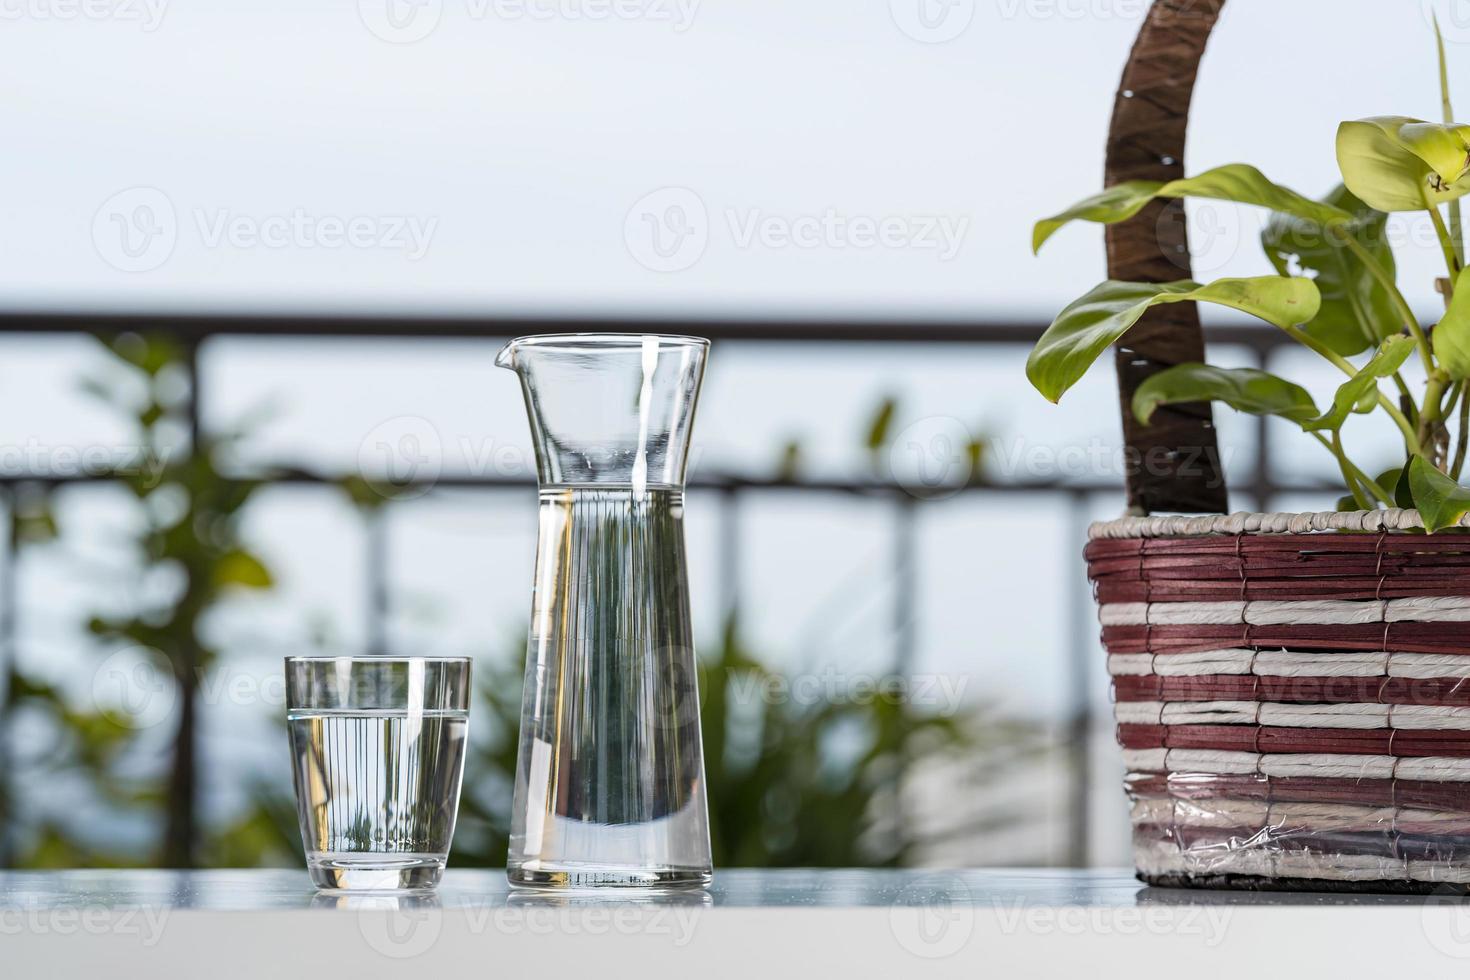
1397 163
1360 392
1451 338
1237 182
1357 311
1243 389
1086 328
243 569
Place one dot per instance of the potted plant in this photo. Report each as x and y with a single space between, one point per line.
1292 690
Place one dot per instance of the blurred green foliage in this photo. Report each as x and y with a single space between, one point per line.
790 782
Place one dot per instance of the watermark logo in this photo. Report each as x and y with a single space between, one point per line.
400 21
676 693
137 688
397 930
1215 229
668 230
932 21
933 458
402 457
135 230
1445 919
400 930
934 917
133 689
1453 17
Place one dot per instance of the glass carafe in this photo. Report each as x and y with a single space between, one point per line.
610 779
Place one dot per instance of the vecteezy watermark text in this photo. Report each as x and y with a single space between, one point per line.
136 687
407 21
147 14
408 932
146 923
669 230
36 458
830 229
942 692
137 230
299 228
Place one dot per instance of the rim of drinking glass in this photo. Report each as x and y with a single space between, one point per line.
629 340
372 659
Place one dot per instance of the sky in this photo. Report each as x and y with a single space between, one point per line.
832 157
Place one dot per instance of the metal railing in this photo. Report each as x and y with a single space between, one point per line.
196 331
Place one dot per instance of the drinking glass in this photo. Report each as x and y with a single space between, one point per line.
378 746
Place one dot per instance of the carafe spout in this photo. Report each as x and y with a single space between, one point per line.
609 409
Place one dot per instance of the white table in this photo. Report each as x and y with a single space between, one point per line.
762 924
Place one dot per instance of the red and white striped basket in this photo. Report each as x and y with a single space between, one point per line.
1292 697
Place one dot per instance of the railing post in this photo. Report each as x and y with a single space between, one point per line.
1261 483
905 584
9 594
729 555
378 600
1080 629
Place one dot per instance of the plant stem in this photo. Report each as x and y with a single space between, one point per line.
1430 414
1355 478
1400 305
1411 438
1446 246
1365 323
1464 430
1447 116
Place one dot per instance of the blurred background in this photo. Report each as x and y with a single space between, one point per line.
256 261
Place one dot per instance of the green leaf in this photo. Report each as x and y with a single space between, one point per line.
1083 330
1451 338
1388 480
789 466
1396 163
877 435
1118 203
1243 389
1401 493
1356 309
243 569
1360 392
1440 500
34 525
1237 182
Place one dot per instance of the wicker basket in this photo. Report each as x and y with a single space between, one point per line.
1292 690
1292 696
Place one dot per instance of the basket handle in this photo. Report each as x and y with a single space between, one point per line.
1173 464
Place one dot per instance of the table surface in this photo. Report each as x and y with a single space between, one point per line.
762 924
285 889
